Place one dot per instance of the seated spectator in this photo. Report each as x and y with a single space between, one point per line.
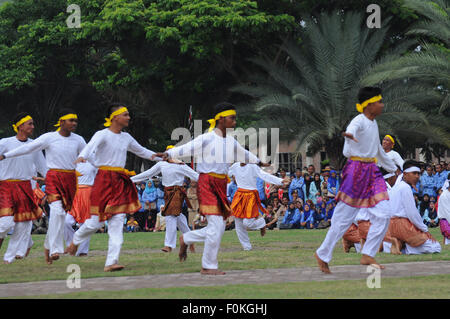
275 203
430 217
132 225
297 184
281 211
309 188
306 220
291 218
294 196
271 217
160 224
332 185
317 182
424 204
286 182
319 216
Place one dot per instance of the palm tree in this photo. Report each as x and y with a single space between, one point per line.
431 62
312 95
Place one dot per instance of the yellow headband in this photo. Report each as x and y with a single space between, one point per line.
391 138
360 107
169 147
218 116
123 109
65 117
22 120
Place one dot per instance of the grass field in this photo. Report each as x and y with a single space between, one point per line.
142 256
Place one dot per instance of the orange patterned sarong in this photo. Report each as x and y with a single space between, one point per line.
246 204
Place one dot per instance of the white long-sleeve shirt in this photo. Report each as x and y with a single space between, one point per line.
172 174
214 153
398 160
88 172
444 205
246 175
368 145
111 148
23 167
60 152
403 205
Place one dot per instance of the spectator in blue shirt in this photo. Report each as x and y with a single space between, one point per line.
306 220
260 187
297 184
292 215
428 182
440 177
430 217
329 210
232 188
332 184
309 188
159 195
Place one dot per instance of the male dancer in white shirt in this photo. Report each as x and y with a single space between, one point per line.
388 145
113 194
214 152
363 186
61 150
81 208
17 206
174 196
246 202
406 226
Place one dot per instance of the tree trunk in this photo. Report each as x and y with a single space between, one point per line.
333 148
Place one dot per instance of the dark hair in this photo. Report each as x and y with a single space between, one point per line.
410 163
223 106
65 111
368 92
113 107
19 116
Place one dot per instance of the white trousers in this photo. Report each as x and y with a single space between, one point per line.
244 224
428 247
54 240
447 241
115 233
172 222
343 217
68 235
357 247
6 223
19 241
212 236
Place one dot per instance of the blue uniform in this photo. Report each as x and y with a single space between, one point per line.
297 184
439 179
232 188
292 216
428 185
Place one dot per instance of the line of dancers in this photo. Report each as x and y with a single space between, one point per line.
88 184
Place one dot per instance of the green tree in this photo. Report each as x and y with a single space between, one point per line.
312 93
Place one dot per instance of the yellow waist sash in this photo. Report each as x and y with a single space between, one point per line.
222 176
364 159
15 180
117 169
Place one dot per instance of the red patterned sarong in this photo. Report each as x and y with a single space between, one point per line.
17 199
113 193
212 195
406 232
362 185
81 206
61 185
352 234
246 204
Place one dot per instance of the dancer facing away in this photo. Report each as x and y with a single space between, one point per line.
113 194
363 186
17 206
246 202
61 150
81 207
214 152
174 197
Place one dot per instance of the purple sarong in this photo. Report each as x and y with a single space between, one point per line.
362 185
445 228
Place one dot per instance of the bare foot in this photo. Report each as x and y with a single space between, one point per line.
322 265
72 249
114 267
47 257
28 251
396 246
183 250
55 256
82 255
367 260
1 242
211 272
6 262
19 257
263 231
192 248
167 249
